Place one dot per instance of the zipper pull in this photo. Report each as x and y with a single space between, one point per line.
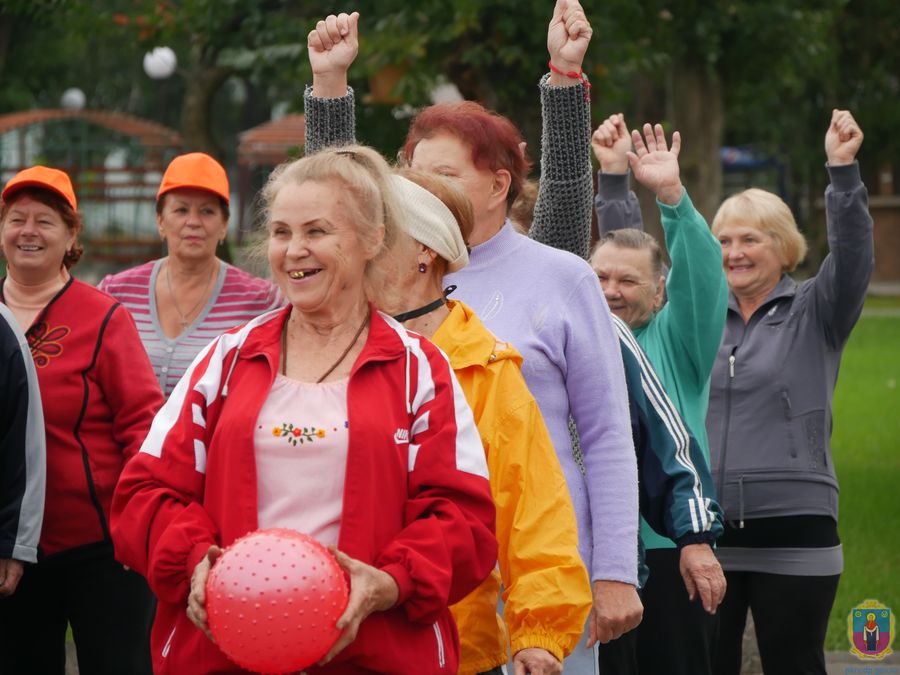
731 365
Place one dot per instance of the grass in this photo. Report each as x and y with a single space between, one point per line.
866 447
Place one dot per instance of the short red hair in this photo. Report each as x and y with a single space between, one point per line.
492 138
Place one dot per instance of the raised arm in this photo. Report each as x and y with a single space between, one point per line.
616 206
694 316
562 213
842 281
329 104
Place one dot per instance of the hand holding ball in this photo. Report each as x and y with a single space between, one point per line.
273 599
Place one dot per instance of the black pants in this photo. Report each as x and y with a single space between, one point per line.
675 637
790 614
110 610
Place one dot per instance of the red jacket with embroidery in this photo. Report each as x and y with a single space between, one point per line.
99 397
417 502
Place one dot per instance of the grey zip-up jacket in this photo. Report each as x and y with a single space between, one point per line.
771 388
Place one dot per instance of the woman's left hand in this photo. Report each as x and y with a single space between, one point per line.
371 590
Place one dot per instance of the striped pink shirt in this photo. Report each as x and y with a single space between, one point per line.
236 298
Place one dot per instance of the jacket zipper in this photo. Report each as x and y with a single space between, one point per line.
440 645
731 361
786 404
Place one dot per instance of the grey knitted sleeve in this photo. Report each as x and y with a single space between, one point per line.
562 213
329 121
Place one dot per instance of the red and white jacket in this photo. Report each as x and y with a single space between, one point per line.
417 502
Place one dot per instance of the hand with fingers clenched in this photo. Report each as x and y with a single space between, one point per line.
568 36
612 143
843 138
332 46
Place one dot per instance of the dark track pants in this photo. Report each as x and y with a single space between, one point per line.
790 614
675 637
110 610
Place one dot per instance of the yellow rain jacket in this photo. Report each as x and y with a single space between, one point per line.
547 595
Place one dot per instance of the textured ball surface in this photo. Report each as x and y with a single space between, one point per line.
273 598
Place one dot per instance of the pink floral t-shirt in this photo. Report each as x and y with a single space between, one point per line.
301 457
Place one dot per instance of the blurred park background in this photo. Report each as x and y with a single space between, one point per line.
749 83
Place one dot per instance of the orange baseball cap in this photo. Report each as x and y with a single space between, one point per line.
43 177
195 170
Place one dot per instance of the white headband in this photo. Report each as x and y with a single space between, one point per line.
428 220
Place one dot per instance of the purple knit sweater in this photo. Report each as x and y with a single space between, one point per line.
549 305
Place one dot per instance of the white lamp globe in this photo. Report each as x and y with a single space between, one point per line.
160 63
72 99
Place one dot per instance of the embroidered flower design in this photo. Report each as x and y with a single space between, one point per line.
295 435
44 343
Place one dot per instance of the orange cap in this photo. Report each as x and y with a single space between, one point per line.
43 177
195 170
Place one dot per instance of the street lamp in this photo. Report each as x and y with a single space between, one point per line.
160 63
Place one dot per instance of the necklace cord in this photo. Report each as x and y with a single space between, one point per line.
284 353
184 316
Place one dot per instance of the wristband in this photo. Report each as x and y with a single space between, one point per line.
575 76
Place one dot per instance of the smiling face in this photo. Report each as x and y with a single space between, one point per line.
752 262
633 292
446 155
314 250
34 238
192 223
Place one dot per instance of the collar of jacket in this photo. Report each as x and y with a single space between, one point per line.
467 341
382 343
785 288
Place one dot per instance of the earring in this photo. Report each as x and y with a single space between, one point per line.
423 268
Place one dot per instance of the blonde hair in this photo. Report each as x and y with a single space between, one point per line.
365 176
768 213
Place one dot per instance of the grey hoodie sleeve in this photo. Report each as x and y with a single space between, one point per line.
616 206
329 121
22 446
562 213
841 284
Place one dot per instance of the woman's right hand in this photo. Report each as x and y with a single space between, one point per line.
333 45
843 138
611 143
196 609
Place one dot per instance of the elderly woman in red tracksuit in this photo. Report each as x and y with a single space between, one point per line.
326 417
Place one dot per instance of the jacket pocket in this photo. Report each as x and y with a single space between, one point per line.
805 433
